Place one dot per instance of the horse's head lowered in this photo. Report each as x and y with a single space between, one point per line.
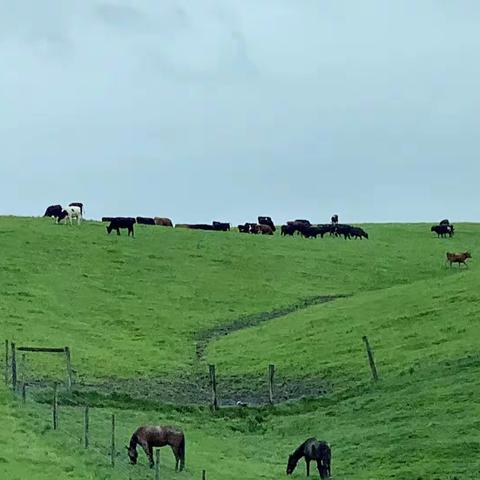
292 463
133 455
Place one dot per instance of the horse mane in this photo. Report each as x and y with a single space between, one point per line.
300 451
133 440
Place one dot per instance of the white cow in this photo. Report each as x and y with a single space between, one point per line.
70 213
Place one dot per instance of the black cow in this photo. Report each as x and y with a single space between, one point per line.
77 204
334 219
244 228
357 232
311 232
288 230
221 226
442 230
343 230
121 222
145 221
267 221
53 211
445 222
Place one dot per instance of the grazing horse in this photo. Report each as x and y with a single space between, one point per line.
150 436
312 449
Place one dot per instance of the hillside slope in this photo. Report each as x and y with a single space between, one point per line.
132 310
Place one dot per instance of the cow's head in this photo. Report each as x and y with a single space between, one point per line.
467 255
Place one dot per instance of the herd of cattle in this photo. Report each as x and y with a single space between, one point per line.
264 226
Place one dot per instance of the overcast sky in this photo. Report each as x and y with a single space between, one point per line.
228 109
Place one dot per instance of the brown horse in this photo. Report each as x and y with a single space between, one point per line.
150 436
312 449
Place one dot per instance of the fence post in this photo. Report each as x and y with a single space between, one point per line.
23 367
24 393
55 406
86 426
157 464
371 360
271 373
113 440
14 367
213 383
6 362
69 368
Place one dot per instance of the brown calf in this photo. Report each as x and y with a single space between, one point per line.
459 258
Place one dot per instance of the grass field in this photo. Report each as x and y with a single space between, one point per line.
133 310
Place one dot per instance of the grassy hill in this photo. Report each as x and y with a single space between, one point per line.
144 316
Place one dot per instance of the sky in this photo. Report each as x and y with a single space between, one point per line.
229 109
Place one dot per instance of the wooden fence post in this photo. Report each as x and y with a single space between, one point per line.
55 406
23 367
14 367
213 383
157 464
271 373
371 360
6 362
69 368
24 393
86 427
113 440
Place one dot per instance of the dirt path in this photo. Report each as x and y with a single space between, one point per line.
204 337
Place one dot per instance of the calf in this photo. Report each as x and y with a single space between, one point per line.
70 213
121 222
459 258
357 232
145 221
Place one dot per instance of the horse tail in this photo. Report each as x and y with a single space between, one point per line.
181 452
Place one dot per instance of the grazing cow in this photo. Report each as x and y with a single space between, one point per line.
311 232
244 228
164 222
459 258
53 211
121 222
287 230
265 229
221 226
334 219
77 204
107 219
442 230
70 213
357 232
267 221
302 222
145 221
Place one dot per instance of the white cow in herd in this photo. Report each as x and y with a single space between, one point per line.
69 213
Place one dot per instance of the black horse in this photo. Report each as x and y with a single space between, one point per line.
312 449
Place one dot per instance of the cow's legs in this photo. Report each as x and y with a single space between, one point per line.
307 462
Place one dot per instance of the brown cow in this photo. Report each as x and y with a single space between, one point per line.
265 229
459 258
164 222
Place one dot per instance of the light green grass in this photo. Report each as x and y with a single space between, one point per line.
116 301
